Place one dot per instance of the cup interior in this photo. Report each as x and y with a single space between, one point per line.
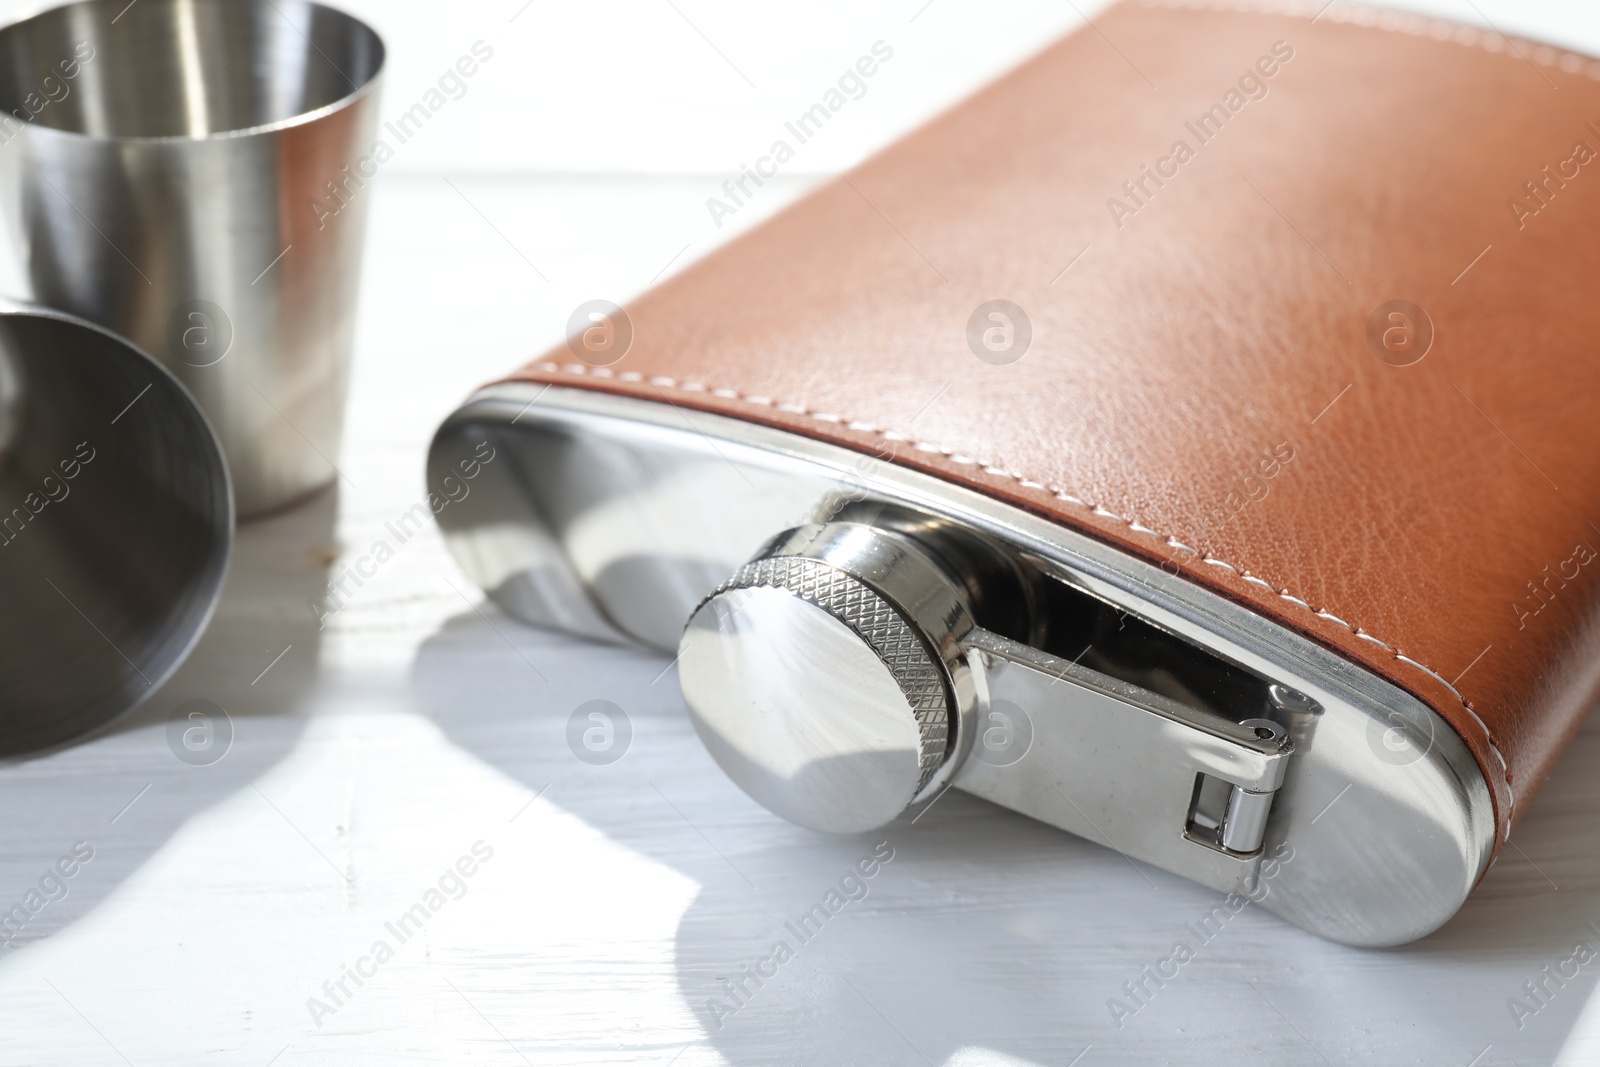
181 68
116 526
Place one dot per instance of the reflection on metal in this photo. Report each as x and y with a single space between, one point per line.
116 527
11 401
826 676
618 519
195 183
1117 764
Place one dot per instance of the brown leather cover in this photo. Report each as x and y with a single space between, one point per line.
1435 524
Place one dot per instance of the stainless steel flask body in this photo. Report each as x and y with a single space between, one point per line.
193 175
116 527
854 637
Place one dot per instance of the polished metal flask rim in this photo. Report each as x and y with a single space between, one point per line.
1387 864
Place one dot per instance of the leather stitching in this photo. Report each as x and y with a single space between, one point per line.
1400 22
584 370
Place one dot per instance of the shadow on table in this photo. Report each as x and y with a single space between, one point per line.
988 937
124 792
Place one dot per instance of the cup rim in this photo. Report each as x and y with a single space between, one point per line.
366 88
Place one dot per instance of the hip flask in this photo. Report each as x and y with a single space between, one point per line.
1200 470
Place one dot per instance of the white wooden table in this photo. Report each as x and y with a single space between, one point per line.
224 905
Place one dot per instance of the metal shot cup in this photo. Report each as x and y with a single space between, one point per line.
116 526
191 174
